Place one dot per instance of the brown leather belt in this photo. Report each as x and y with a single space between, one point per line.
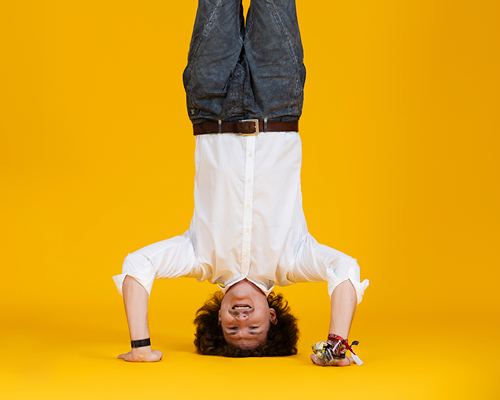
245 127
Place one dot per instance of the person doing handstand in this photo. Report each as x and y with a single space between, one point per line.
244 87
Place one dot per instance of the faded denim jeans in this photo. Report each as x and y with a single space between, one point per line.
237 71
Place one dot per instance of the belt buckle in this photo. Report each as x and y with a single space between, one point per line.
256 121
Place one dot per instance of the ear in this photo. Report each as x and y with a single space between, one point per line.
220 319
272 316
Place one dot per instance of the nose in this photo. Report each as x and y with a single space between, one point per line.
241 316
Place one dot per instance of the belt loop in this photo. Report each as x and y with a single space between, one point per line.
265 124
220 126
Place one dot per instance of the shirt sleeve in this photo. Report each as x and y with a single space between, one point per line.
171 258
319 263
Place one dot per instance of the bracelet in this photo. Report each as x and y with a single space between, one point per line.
332 337
140 343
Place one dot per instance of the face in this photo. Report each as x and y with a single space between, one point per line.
245 315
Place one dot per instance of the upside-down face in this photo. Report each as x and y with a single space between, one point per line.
245 315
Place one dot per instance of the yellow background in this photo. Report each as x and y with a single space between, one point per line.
400 133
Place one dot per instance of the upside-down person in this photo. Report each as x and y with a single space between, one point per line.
248 234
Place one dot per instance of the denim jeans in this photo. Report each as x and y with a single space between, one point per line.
237 71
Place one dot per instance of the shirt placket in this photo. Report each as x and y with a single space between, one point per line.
248 205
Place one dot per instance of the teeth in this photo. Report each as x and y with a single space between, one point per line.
241 307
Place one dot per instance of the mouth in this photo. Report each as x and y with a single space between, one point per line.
241 307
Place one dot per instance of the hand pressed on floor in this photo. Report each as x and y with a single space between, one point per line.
142 354
338 362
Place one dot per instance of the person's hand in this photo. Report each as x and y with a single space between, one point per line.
320 356
339 362
142 354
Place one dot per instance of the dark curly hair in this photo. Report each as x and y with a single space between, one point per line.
281 338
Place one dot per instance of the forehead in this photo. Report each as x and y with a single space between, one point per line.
246 341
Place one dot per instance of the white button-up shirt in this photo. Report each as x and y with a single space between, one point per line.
248 222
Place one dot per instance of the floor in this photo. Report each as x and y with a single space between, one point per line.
69 352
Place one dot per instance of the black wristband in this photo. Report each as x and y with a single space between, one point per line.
140 343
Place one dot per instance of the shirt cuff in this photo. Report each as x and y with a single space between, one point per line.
353 276
144 275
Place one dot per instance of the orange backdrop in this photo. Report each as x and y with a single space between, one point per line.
400 133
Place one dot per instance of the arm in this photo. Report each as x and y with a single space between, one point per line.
135 298
343 306
167 259
317 263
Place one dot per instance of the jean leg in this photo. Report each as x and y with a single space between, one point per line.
273 48
214 52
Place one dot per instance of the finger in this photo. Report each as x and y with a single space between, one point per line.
316 360
341 362
126 356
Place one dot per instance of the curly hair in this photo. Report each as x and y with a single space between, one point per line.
281 338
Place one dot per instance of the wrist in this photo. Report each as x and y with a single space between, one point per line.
334 337
140 343
141 349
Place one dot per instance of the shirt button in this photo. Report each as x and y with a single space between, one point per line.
247 230
245 255
248 205
249 181
250 155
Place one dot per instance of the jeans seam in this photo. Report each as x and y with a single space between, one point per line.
204 34
289 46
207 28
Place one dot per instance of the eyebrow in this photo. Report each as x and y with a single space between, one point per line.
231 333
